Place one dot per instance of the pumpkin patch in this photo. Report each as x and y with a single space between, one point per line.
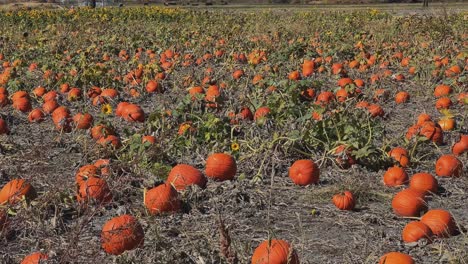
204 134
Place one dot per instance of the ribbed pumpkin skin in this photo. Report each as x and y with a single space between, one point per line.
344 201
85 172
183 175
14 190
121 233
304 172
274 252
161 199
409 202
440 221
396 258
220 167
415 231
424 182
400 155
448 166
95 189
395 176
34 258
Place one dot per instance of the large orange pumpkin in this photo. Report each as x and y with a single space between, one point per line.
440 221
274 252
15 190
304 172
162 199
220 167
183 175
121 233
424 182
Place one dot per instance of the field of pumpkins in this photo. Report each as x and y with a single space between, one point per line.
160 135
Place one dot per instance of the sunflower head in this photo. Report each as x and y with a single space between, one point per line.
235 146
106 109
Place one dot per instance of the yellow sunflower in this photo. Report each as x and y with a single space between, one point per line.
235 146
106 109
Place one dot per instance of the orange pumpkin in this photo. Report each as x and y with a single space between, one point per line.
447 124
424 182
39 91
100 131
274 251
74 94
162 199
409 202
262 112
150 139
400 155
443 103
83 121
402 97
461 146
304 172
22 104
51 95
120 234
15 190
422 118
133 113
375 110
35 258
440 222
416 230
396 258
109 93
448 166
153 86
95 189
442 90
49 106
325 98
183 175
86 172
344 201
220 167
36 115
294 76
308 68
395 176
110 140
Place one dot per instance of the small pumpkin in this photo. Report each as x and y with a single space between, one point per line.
95 189
400 155
162 199
395 176
14 191
153 86
220 167
22 104
442 90
85 172
35 258
416 230
344 201
448 166
375 110
182 175
36 115
304 172
83 121
133 113
443 103
150 139
100 131
447 124
409 202
396 258
110 140
262 112
402 97
274 251
120 234
440 222
461 146
424 182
